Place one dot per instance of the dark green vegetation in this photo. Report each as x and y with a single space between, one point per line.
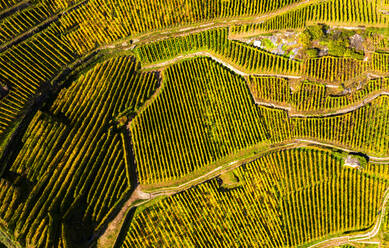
335 42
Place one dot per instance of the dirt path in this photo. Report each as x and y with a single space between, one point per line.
348 27
291 111
191 182
23 36
372 158
112 230
214 23
115 225
217 59
17 7
192 55
379 160
332 242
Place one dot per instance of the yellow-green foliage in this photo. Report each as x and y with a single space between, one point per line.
311 97
365 129
353 12
204 113
71 165
285 199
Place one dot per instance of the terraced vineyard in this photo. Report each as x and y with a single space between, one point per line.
216 42
203 115
299 195
312 98
70 153
200 123
347 13
206 120
364 129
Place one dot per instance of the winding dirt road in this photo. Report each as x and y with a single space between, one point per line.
217 59
192 55
114 226
292 112
112 229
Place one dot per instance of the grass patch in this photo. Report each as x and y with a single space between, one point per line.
230 180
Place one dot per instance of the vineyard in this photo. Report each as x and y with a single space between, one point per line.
311 97
348 13
194 123
63 165
250 59
299 195
202 126
364 129
202 115
25 73
22 21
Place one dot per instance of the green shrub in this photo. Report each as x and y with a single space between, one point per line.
268 44
316 32
312 53
353 54
337 47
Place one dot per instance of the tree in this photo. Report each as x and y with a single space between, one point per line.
316 32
